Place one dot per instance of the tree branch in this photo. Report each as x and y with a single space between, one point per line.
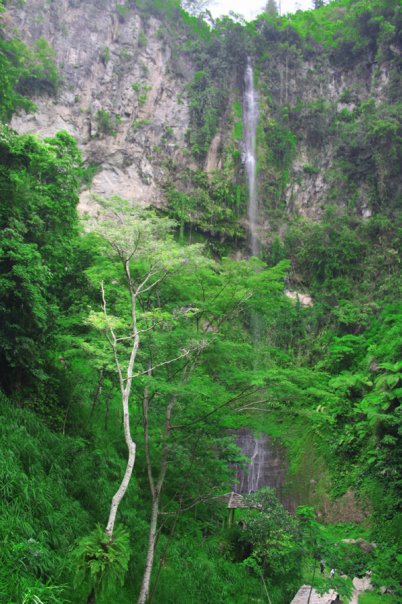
112 341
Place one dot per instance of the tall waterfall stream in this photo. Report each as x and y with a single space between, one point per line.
250 121
266 467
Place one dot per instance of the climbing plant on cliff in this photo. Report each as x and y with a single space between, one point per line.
23 72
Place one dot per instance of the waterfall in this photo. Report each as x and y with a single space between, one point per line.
266 467
256 464
250 120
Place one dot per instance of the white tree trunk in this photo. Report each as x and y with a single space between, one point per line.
125 397
146 580
118 496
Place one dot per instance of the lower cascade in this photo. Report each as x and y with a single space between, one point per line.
266 468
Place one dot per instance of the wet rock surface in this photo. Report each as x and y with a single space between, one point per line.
267 466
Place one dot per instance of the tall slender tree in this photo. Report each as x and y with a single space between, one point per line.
141 244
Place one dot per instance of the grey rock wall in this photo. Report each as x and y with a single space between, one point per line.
101 54
100 57
291 80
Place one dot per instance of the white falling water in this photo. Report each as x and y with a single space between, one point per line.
255 468
266 466
250 120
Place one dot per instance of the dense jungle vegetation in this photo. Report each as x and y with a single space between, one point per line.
128 351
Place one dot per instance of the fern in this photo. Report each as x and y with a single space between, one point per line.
101 560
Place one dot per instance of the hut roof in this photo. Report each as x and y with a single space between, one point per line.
235 500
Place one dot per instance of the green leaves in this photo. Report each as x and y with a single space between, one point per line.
24 72
213 205
272 536
102 323
39 182
102 561
40 519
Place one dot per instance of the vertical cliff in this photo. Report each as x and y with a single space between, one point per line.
153 97
122 92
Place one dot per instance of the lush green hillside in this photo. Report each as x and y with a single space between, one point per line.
121 339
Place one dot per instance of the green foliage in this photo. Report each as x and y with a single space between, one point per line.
365 25
105 55
311 169
237 111
39 182
319 548
123 11
41 73
205 103
196 569
40 594
141 91
337 256
169 11
102 561
374 598
142 39
329 373
107 123
272 533
24 72
190 303
217 57
140 123
212 205
315 119
368 151
349 559
279 146
40 517
125 54
238 131
89 173
357 326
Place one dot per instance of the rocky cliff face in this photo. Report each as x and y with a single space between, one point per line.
124 98
119 97
318 91
308 190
